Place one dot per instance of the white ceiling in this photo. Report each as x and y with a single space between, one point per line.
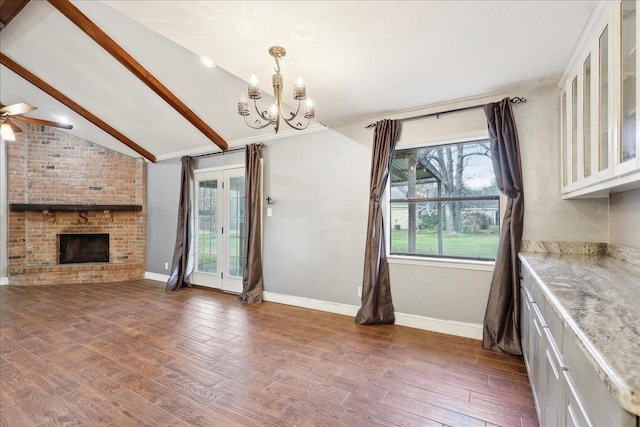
359 59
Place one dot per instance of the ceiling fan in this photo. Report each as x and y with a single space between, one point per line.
14 112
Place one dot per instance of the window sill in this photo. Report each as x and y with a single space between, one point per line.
460 264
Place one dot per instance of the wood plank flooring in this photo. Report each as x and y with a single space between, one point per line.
130 354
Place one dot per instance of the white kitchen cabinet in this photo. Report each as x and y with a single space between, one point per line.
566 387
599 124
541 354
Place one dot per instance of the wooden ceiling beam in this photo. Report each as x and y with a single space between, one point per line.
114 49
9 9
50 90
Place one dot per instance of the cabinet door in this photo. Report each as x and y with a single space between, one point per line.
525 326
553 378
587 113
574 413
627 147
537 359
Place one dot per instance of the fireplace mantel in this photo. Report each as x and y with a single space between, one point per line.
80 208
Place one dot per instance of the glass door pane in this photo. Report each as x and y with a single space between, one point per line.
603 105
236 225
628 82
563 135
207 233
574 130
586 116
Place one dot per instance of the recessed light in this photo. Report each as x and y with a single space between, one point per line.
207 62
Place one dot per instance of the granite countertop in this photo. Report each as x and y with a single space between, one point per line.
598 299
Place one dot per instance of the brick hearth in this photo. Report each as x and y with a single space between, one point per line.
49 166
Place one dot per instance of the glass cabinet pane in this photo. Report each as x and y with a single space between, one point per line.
586 116
628 81
574 130
563 136
603 106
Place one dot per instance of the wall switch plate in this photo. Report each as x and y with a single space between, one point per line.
269 211
360 291
166 265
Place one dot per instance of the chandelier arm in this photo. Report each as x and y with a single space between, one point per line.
255 127
296 127
262 114
293 115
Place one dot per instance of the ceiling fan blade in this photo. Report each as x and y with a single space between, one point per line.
14 125
43 122
19 108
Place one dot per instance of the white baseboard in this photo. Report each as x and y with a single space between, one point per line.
155 276
4 281
314 304
451 327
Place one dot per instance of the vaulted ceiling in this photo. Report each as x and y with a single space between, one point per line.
360 60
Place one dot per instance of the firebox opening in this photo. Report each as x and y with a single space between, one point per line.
80 248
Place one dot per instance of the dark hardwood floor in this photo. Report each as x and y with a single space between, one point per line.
127 354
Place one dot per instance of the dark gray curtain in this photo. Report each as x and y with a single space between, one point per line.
182 265
377 307
502 318
252 272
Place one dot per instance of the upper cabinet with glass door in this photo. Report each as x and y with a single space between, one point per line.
599 124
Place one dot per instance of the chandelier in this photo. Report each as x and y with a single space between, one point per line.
275 113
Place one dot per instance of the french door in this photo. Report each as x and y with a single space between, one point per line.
220 221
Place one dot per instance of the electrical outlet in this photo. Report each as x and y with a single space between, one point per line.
166 265
360 291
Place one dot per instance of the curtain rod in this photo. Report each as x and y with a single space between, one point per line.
514 100
218 153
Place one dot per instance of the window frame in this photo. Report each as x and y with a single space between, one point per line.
437 260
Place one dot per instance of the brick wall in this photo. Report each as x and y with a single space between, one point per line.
49 166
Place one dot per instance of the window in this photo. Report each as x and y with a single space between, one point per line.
444 202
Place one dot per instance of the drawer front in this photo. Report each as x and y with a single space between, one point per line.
554 323
527 278
538 314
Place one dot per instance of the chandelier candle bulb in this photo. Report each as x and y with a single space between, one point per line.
273 113
299 90
309 111
243 106
254 88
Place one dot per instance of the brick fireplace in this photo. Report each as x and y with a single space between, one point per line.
60 184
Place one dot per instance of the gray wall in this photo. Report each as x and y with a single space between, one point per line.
624 219
314 242
163 195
